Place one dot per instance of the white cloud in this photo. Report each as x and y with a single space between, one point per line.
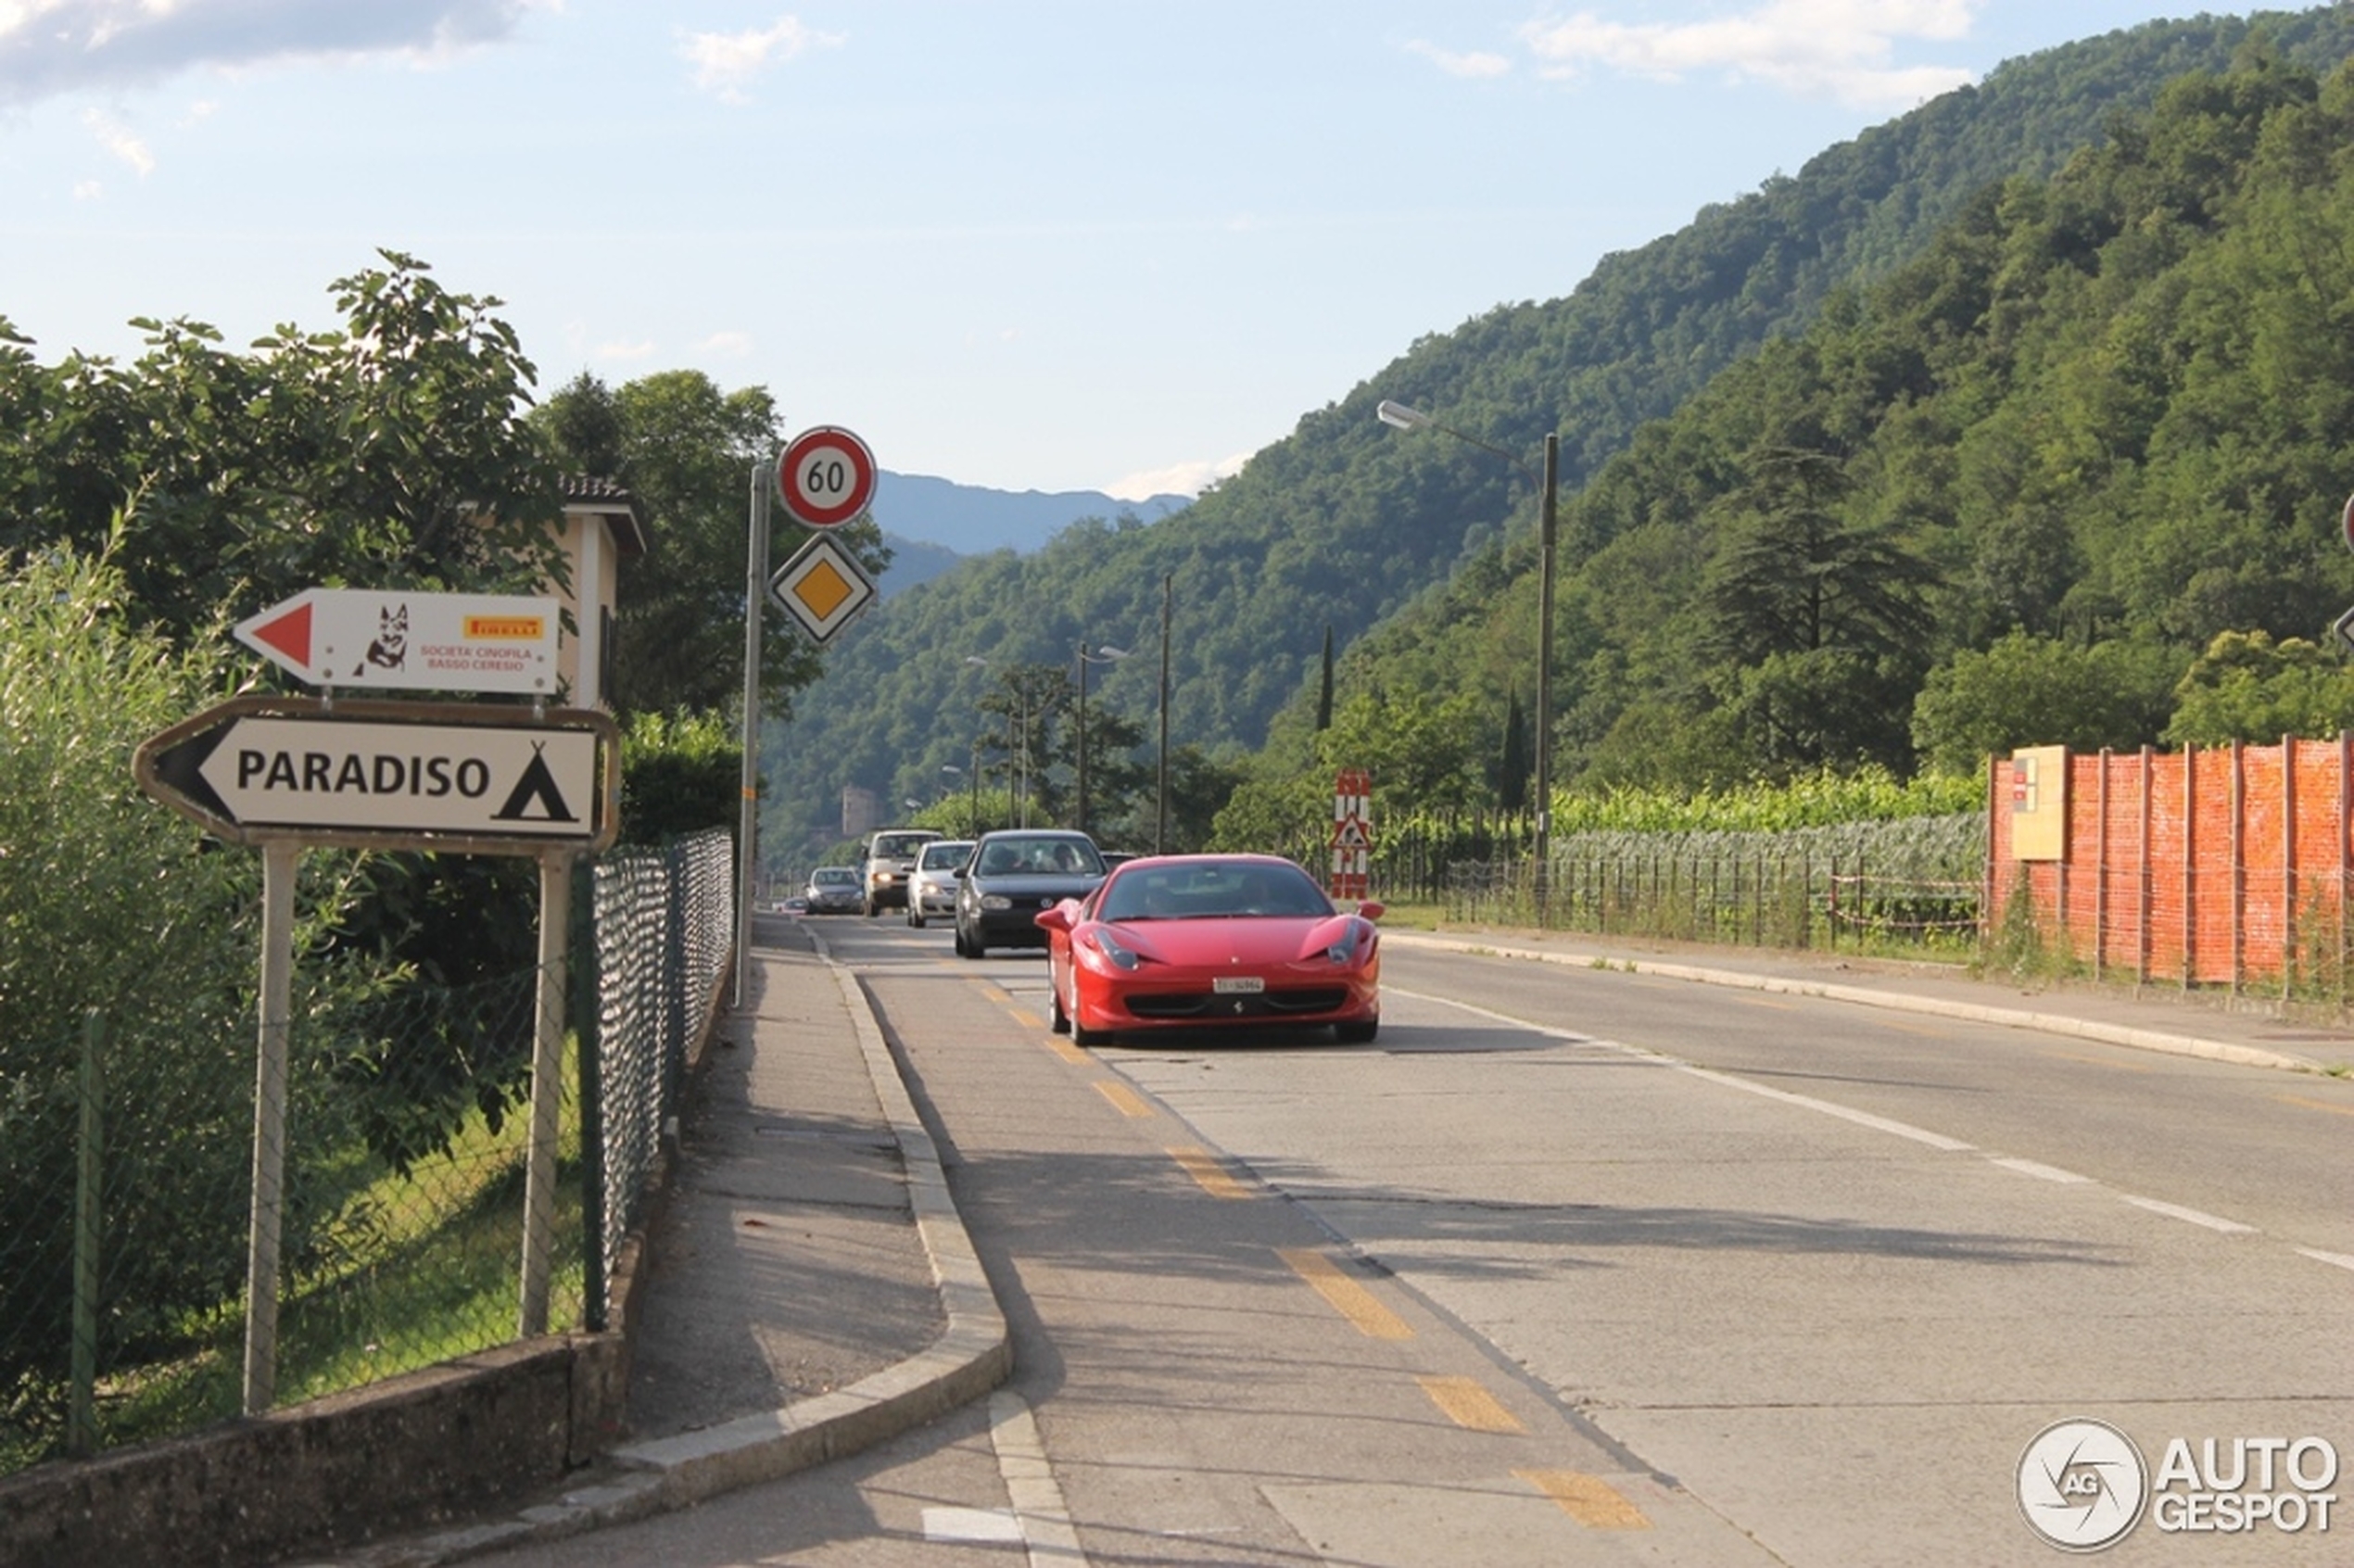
88 190
725 62
1178 479
728 345
643 349
119 140
1475 66
1839 49
48 47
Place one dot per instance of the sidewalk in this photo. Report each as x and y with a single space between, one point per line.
809 1291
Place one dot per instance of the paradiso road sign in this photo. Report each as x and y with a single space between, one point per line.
397 640
826 476
465 777
822 587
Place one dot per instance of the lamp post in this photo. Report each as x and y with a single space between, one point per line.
1017 744
1160 810
1399 416
1103 655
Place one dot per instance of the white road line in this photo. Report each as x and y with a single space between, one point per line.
2196 1217
2339 1258
1029 1480
2036 1168
1861 1119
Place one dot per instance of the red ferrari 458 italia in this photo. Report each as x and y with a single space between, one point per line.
1203 940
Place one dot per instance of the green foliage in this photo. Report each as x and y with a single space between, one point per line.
2246 687
681 773
108 902
2029 690
687 451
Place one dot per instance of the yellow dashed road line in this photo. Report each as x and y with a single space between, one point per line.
1352 1300
1124 1099
1069 1052
1589 1500
2315 1104
1208 1174
1468 1404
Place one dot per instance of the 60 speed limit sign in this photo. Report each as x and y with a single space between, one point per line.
827 475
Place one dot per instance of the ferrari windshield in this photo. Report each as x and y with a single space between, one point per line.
1197 888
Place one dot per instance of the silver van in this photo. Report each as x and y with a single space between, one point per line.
887 865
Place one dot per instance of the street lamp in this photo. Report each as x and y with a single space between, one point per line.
1103 655
1014 726
1399 416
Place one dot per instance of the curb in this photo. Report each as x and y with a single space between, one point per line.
1895 1001
635 1481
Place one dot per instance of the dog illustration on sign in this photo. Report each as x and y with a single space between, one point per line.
390 648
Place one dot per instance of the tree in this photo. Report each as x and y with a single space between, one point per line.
2030 690
2246 687
389 452
688 450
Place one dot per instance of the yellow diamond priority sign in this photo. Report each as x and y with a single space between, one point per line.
822 587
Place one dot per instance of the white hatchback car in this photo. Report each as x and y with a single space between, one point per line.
931 890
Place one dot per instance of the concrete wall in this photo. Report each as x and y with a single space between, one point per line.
414 1451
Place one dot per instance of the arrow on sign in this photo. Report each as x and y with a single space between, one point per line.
452 776
396 640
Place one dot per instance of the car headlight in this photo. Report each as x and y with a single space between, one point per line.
1109 945
995 901
1344 950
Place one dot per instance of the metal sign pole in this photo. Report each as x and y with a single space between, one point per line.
748 831
279 862
547 1095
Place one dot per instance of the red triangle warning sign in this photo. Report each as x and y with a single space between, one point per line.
289 634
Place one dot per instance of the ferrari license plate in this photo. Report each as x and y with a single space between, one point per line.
1238 985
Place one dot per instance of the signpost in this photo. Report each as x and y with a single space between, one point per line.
826 476
373 774
1352 842
286 773
398 641
822 587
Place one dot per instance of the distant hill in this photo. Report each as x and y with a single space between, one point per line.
1345 523
973 521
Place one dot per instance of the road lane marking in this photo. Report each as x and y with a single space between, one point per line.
2337 1259
2196 1217
1861 1119
1069 1052
1345 1296
1589 1500
2035 1169
1124 1099
1466 1402
1763 1002
1208 1174
2315 1104
1026 1019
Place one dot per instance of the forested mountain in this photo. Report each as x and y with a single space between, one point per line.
2105 419
1346 523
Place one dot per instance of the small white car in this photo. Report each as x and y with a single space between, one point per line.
931 890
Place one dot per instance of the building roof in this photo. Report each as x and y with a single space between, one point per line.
613 502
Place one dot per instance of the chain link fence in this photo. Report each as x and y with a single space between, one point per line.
127 1161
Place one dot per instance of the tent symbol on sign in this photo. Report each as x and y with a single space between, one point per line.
537 784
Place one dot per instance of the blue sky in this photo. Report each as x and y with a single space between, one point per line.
1031 244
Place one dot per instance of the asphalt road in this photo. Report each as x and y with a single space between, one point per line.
1575 1266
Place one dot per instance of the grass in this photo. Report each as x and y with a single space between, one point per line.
416 1268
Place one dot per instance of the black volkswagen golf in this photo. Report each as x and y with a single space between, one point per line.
1013 874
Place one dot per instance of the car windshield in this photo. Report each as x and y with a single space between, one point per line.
1040 857
834 875
945 856
1211 889
900 846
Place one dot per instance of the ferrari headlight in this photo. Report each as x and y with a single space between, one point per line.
1106 943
